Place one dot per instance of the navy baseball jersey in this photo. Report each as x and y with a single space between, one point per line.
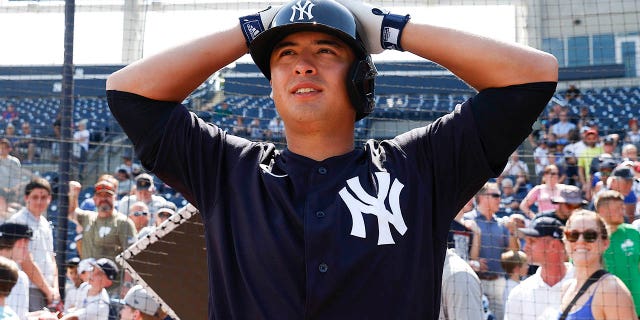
356 236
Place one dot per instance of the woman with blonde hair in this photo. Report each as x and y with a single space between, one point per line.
594 293
542 194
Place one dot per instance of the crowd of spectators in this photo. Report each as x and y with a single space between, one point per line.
515 250
541 236
106 223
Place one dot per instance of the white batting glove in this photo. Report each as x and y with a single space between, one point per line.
254 24
382 30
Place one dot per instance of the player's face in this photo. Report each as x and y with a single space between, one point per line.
38 200
308 78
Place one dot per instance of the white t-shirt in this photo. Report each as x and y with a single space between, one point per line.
507 289
562 128
533 299
82 138
41 244
93 307
18 299
541 155
6 313
72 297
461 290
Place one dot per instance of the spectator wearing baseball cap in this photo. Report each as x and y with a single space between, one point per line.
107 233
165 212
94 297
14 245
73 300
72 288
145 189
568 199
621 180
140 305
538 297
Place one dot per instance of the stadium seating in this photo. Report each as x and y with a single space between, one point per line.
611 106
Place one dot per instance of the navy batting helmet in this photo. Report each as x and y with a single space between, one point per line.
329 17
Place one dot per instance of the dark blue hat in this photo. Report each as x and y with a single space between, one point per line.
15 231
544 227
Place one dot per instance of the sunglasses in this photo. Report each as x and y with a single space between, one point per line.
140 213
588 235
164 215
493 195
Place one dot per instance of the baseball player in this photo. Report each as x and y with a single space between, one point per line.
323 229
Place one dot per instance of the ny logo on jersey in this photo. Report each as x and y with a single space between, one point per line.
303 10
368 204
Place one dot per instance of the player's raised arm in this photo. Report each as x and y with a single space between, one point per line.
173 74
481 62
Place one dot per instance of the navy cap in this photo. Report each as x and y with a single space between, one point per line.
73 262
107 266
623 173
14 231
544 227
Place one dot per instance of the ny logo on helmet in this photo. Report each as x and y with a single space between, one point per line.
375 205
303 10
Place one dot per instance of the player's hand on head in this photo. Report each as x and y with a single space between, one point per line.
378 28
254 24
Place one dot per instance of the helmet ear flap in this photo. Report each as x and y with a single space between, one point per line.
361 86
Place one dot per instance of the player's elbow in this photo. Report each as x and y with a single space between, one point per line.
544 67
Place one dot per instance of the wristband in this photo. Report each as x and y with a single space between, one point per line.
391 32
251 26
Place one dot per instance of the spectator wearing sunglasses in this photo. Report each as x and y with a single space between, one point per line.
538 296
586 239
139 214
165 211
541 195
622 258
494 241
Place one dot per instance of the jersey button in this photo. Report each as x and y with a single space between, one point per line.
323 267
322 170
320 214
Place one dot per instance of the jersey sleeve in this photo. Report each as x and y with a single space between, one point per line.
181 149
466 147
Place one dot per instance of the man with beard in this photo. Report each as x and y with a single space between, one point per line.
107 232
